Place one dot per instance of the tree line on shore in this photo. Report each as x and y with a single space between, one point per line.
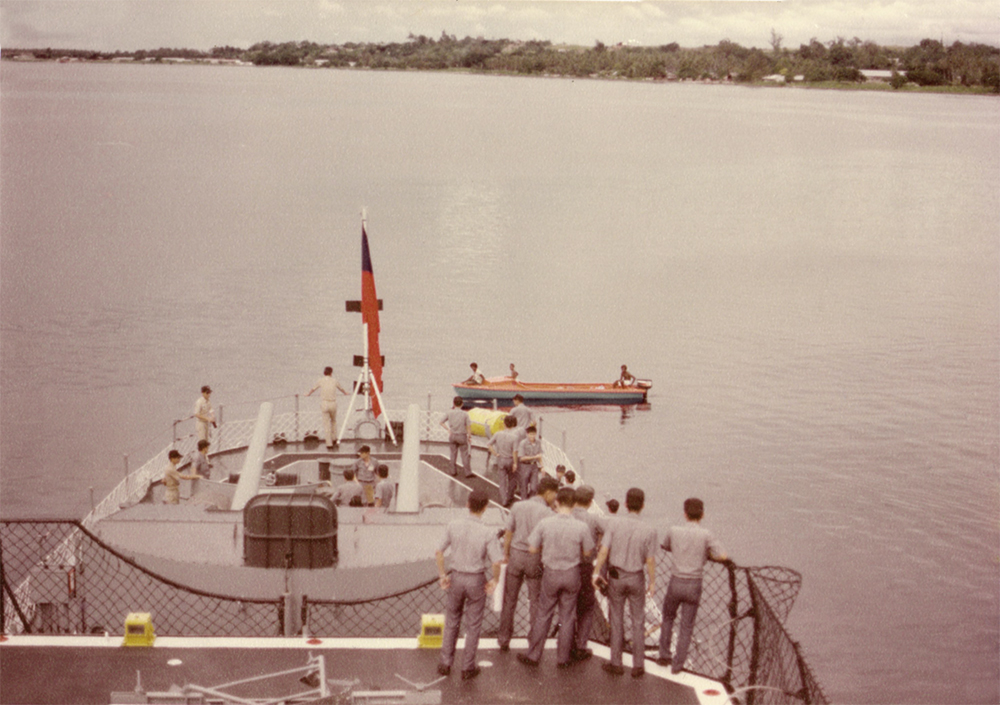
929 63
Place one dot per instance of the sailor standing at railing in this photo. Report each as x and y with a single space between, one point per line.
502 445
328 386
203 413
172 479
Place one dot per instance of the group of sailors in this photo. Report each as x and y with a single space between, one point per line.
366 483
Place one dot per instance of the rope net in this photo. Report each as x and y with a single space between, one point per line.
57 577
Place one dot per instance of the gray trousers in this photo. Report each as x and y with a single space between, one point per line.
467 594
559 589
586 603
527 480
456 443
523 567
686 594
631 587
506 480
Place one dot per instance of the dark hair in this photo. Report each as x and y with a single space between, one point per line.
635 499
612 506
584 495
570 477
457 402
174 454
364 449
206 388
531 429
560 467
348 474
478 499
383 471
203 444
472 364
694 508
548 484
328 370
566 496
518 397
509 421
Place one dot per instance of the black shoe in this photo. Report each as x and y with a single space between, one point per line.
523 658
567 664
613 669
581 654
638 672
444 670
661 661
504 648
470 674
469 475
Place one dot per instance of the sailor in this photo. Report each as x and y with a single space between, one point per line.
528 461
563 542
200 463
502 445
522 565
691 546
525 416
364 470
476 377
203 413
172 479
474 552
328 386
458 424
384 489
629 545
586 599
626 379
350 493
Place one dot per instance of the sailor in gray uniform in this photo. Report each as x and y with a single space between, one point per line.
523 566
459 426
629 546
563 542
586 599
503 445
474 551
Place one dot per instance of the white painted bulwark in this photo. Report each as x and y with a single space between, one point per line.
408 500
253 465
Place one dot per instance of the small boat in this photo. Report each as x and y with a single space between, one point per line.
504 389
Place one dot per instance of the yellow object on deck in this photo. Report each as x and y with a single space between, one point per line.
139 629
431 631
483 419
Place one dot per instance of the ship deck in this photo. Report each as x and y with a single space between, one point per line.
83 669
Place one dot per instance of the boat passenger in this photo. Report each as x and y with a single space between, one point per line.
563 542
513 373
474 551
384 489
586 599
476 377
328 386
203 414
690 547
525 416
200 463
523 566
364 470
528 461
458 424
626 379
502 445
172 479
628 546
350 493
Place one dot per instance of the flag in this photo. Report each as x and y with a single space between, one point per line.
369 315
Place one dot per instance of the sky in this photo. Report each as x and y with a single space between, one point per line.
127 25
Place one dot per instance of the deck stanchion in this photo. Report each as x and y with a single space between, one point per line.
564 441
173 442
296 418
126 474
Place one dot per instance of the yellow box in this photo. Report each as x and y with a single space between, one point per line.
431 631
139 629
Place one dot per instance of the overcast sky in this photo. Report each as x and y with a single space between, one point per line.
202 24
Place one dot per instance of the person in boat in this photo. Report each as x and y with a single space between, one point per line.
474 551
384 489
690 546
525 416
586 599
328 386
522 565
628 546
626 379
204 414
528 461
364 470
502 446
458 424
200 463
172 479
476 377
350 493
564 542
513 373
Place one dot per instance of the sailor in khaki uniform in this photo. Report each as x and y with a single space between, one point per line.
203 413
328 386
629 545
474 551
563 542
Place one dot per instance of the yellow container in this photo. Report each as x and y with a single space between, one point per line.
483 419
431 631
139 629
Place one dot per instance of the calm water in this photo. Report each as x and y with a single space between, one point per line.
812 279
